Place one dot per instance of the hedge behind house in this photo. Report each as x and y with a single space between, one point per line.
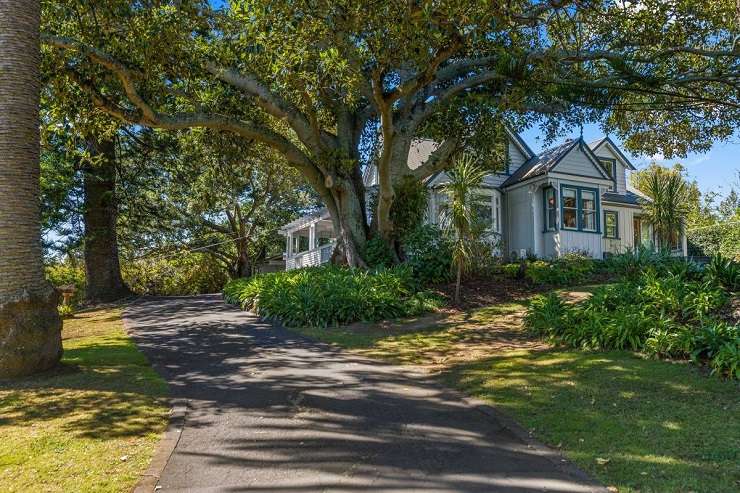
719 239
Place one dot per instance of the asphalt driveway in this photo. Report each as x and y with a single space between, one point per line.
270 411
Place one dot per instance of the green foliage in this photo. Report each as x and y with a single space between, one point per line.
668 206
60 273
185 274
429 254
669 310
722 238
410 206
65 311
569 270
377 253
724 272
331 295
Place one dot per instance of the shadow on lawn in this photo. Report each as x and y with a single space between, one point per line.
104 389
662 426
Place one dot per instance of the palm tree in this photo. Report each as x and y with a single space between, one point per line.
29 323
668 206
459 215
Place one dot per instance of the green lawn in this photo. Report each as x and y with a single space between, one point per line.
640 425
91 425
662 427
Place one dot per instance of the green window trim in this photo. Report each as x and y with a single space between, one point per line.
611 171
579 209
616 224
546 210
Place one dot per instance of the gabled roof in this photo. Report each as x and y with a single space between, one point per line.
540 164
519 143
546 161
614 148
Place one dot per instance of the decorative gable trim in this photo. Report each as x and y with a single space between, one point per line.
616 151
519 143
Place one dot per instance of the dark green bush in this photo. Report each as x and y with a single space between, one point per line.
330 295
377 253
724 272
568 270
428 253
668 310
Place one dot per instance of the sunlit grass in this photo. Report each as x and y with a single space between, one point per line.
91 425
635 424
662 427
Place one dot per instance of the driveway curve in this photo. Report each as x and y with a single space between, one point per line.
269 411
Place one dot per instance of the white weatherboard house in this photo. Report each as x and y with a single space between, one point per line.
572 197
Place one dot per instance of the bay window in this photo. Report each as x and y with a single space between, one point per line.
551 208
570 208
580 208
588 210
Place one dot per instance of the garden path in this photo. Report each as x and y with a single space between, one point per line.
268 410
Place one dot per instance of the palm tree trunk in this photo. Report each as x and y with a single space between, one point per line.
30 327
102 266
458 282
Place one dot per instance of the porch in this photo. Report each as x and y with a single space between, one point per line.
309 241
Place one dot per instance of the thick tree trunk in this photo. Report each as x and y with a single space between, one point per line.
30 328
347 210
102 267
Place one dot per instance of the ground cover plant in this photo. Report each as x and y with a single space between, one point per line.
571 269
331 295
92 424
666 308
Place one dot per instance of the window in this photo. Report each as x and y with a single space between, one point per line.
588 210
551 208
611 224
570 208
580 208
610 166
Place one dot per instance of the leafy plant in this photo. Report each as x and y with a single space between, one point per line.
428 253
377 253
724 272
727 360
459 214
331 295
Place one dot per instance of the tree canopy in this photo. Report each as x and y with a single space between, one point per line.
333 85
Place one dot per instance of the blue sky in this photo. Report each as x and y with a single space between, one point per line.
715 170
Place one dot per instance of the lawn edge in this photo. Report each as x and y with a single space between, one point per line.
170 437
497 417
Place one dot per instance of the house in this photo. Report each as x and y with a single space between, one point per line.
571 197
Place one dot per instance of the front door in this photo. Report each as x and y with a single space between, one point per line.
641 233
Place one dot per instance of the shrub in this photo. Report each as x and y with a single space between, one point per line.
547 315
377 253
330 295
569 270
722 238
727 360
724 272
428 253
668 310
186 274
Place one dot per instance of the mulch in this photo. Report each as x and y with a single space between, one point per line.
483 291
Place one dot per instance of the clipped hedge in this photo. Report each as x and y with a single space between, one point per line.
331 295
669 311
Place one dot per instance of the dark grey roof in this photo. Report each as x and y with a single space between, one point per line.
629 198
540 164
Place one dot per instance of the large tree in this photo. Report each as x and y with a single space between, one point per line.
30 338
326 82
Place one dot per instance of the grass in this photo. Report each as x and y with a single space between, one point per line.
90 425
635 424
661 426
